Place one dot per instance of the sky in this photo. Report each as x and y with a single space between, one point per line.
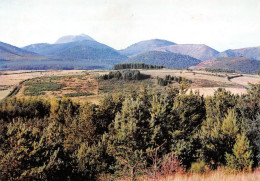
220 24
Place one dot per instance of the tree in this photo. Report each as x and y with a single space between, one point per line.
218 138
183 124
129 138
241 158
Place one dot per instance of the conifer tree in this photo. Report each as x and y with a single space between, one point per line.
241 157
218 137
129 140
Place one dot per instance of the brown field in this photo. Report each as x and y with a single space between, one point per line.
218 175
10 79
80 81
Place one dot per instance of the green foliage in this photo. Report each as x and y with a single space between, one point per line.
218 137
241 158
124 75
24 108
37 87
198 167
169 79
167 59
128 134
93 160
78 94
128 143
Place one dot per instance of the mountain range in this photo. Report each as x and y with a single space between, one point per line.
239 64
167 59
144 46
9 52
83 52
251 52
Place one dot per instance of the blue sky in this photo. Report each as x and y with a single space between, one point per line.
221 24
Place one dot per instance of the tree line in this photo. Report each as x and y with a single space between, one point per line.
136 66
124 75
128 135
168 79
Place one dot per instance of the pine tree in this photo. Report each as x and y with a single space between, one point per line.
129 140
241 158
218 137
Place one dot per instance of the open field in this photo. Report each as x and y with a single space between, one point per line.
83 85
212 176
10 79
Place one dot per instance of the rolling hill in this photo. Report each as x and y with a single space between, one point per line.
251 52
167 59
144 46
239 64
78 53
198 51
9 52
85 49
73 38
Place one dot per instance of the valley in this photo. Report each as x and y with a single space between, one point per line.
83 85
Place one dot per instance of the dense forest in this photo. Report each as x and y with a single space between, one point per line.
136 66
124 75
144 132
167 59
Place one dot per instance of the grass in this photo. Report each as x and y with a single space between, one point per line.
78 94
112 85
217 175
37 87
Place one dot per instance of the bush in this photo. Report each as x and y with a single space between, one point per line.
168 80
241 159
198 167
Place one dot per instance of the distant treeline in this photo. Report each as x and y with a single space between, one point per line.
136 66
219 70
124 75
168 80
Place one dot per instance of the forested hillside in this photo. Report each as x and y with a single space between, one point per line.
129 135
237 64
167 59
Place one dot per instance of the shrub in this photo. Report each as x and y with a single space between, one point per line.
198 167
241 158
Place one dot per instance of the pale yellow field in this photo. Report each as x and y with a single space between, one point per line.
207 83
204 82
216 175
10 79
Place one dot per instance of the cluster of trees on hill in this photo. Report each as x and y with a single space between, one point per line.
168 80
124 75
136 66
125 135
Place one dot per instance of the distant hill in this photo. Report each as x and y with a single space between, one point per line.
144 46
251 52
9 52
73 38
239 64
79 50
82 54
167 59
198 51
